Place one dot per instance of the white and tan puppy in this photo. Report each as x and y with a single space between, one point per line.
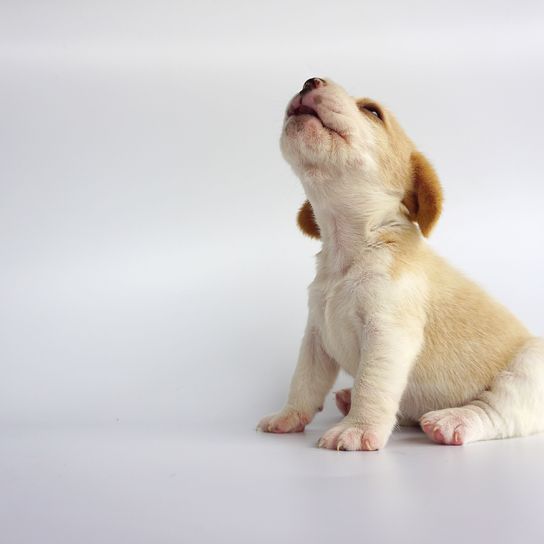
423 343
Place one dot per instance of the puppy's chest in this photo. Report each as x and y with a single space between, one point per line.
340 307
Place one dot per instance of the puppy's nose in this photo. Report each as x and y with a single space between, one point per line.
312 83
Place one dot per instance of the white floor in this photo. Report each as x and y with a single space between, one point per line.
177 485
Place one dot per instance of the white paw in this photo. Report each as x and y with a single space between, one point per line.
286 421
452 426
355 437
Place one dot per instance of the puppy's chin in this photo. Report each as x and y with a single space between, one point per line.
305 140
314 150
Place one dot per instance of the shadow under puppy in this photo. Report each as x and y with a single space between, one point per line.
423 343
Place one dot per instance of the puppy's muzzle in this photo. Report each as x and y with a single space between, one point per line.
303 103
311 84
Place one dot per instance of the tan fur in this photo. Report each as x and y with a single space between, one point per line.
468 338
424 200
306 221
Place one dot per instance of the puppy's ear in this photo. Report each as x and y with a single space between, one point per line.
424 199
306 221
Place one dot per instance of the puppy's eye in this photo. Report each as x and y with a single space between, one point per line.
373 109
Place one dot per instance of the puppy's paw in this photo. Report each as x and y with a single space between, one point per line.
286 421
452 426
355 437
343 401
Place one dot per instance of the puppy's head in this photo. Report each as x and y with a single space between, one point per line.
327 134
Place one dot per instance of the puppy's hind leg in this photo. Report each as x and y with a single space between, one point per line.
512 406
343 401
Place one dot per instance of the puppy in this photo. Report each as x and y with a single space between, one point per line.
423 343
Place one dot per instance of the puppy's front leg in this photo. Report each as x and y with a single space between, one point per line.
313 378
387 355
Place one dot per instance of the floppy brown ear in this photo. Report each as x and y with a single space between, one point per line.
306 221
424 199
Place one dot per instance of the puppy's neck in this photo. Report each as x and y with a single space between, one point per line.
352 215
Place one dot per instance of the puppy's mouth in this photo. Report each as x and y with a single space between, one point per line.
299 109
302 109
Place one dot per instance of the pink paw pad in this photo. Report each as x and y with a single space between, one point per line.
457 439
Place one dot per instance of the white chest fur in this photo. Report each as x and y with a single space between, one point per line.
342 305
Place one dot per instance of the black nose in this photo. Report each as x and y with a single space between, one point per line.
312 83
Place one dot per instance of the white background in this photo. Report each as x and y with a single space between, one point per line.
153 279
